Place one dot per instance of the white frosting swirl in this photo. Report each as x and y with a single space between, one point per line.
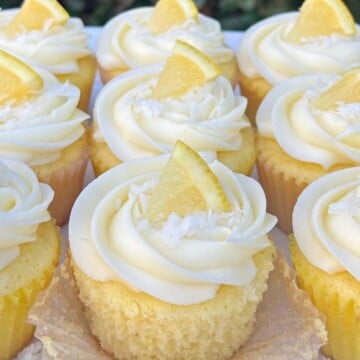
57 48
36 130
23 206
110 239
326 222
266 51
208 118
126 42
289 115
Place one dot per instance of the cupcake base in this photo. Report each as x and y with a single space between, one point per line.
254 89
65 176
337 297
283 178
134 325
21 281
83 79
240 161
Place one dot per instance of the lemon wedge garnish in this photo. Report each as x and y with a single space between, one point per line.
17 79
33 15
344 91
185 68
322 18
186 185
169 13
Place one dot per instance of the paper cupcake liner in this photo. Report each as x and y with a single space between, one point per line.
337 297
254 90
67 184
281 193
287 325
15 332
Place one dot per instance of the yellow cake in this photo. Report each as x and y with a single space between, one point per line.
320 38
131 119
42 127
149 275
299 137
44 34
326 258
146 35
29 252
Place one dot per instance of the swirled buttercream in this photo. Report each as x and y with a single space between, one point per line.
126 41
289 115
111 240
133 124
56 48
265 51
36 130
23 206
326 221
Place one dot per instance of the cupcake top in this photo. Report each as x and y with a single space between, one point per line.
35 129
23 206
326 222
111 237
134 123
55 47
266 51
126 41
292 114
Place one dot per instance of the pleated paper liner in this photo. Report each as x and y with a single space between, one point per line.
287 325
15 331
283 178
337 297
66 178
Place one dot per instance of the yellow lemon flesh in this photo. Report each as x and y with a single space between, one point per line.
186 185
185 68
344 91
17 79
169 13
322 18
34 14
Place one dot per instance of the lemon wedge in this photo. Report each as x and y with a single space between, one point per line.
33 15
17 79
185 68
169 13
345 91
322 18
186 185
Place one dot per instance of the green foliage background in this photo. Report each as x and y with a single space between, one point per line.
232 14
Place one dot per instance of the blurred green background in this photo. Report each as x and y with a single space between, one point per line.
232 14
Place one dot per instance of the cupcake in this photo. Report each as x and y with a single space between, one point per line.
320 38
171 257
42 127
146 35
308 127
29 251
42 33
142 113
324 250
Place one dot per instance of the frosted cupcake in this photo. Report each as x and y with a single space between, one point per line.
147 35
131 120
43 34
325 253
138 235
29 251
321 38
42 127
308 127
